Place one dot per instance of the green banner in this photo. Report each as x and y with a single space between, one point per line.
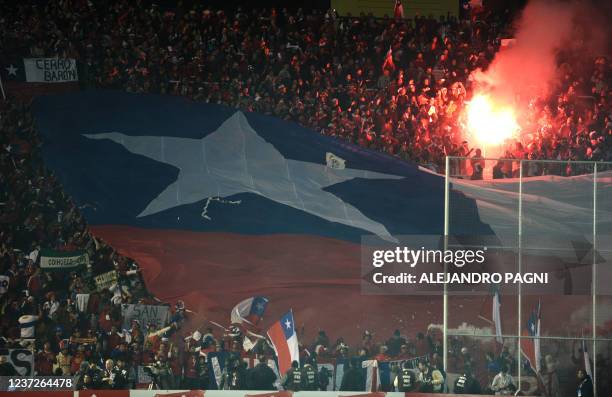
52 260
105 280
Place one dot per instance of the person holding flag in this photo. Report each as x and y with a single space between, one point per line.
585 384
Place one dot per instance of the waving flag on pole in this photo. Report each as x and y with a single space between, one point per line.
496 316
250 310
398 11
530 347
388 63
372 374
285 342
587 359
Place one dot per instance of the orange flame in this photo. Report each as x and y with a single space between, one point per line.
489 123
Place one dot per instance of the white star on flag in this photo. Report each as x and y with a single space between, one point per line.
12 70
234 159
288 324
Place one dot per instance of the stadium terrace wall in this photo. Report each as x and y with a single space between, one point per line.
381 8
212 393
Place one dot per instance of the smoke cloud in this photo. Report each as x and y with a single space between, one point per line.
550 35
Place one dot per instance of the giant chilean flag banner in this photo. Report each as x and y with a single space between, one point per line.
217 205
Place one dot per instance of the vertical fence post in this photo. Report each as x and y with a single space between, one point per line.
519 330
445 297
594 282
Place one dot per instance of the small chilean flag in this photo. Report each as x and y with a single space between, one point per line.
285 342
250 310
388 63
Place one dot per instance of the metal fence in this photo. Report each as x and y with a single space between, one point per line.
556 213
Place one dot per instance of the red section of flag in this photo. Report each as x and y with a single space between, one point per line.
318 277
374 379
277 336
528 349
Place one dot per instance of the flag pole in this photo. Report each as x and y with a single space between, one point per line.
2 89
445 297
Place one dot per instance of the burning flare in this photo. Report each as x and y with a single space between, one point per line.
490 124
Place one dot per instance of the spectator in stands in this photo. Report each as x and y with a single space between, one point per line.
310 377
234 376
80 377
325 377
550 379
6 368
120 376
45 360
430 379
261 377
63 359
293 378
322 341
353 379
108 375
478 165
466 383
95 375
502 382
395 343
585 384
405 381
87 383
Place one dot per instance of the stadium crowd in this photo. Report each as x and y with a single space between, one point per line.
320 70
393 85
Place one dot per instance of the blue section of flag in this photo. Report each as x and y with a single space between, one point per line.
116 185
258 307
212 359
288 325
532 323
